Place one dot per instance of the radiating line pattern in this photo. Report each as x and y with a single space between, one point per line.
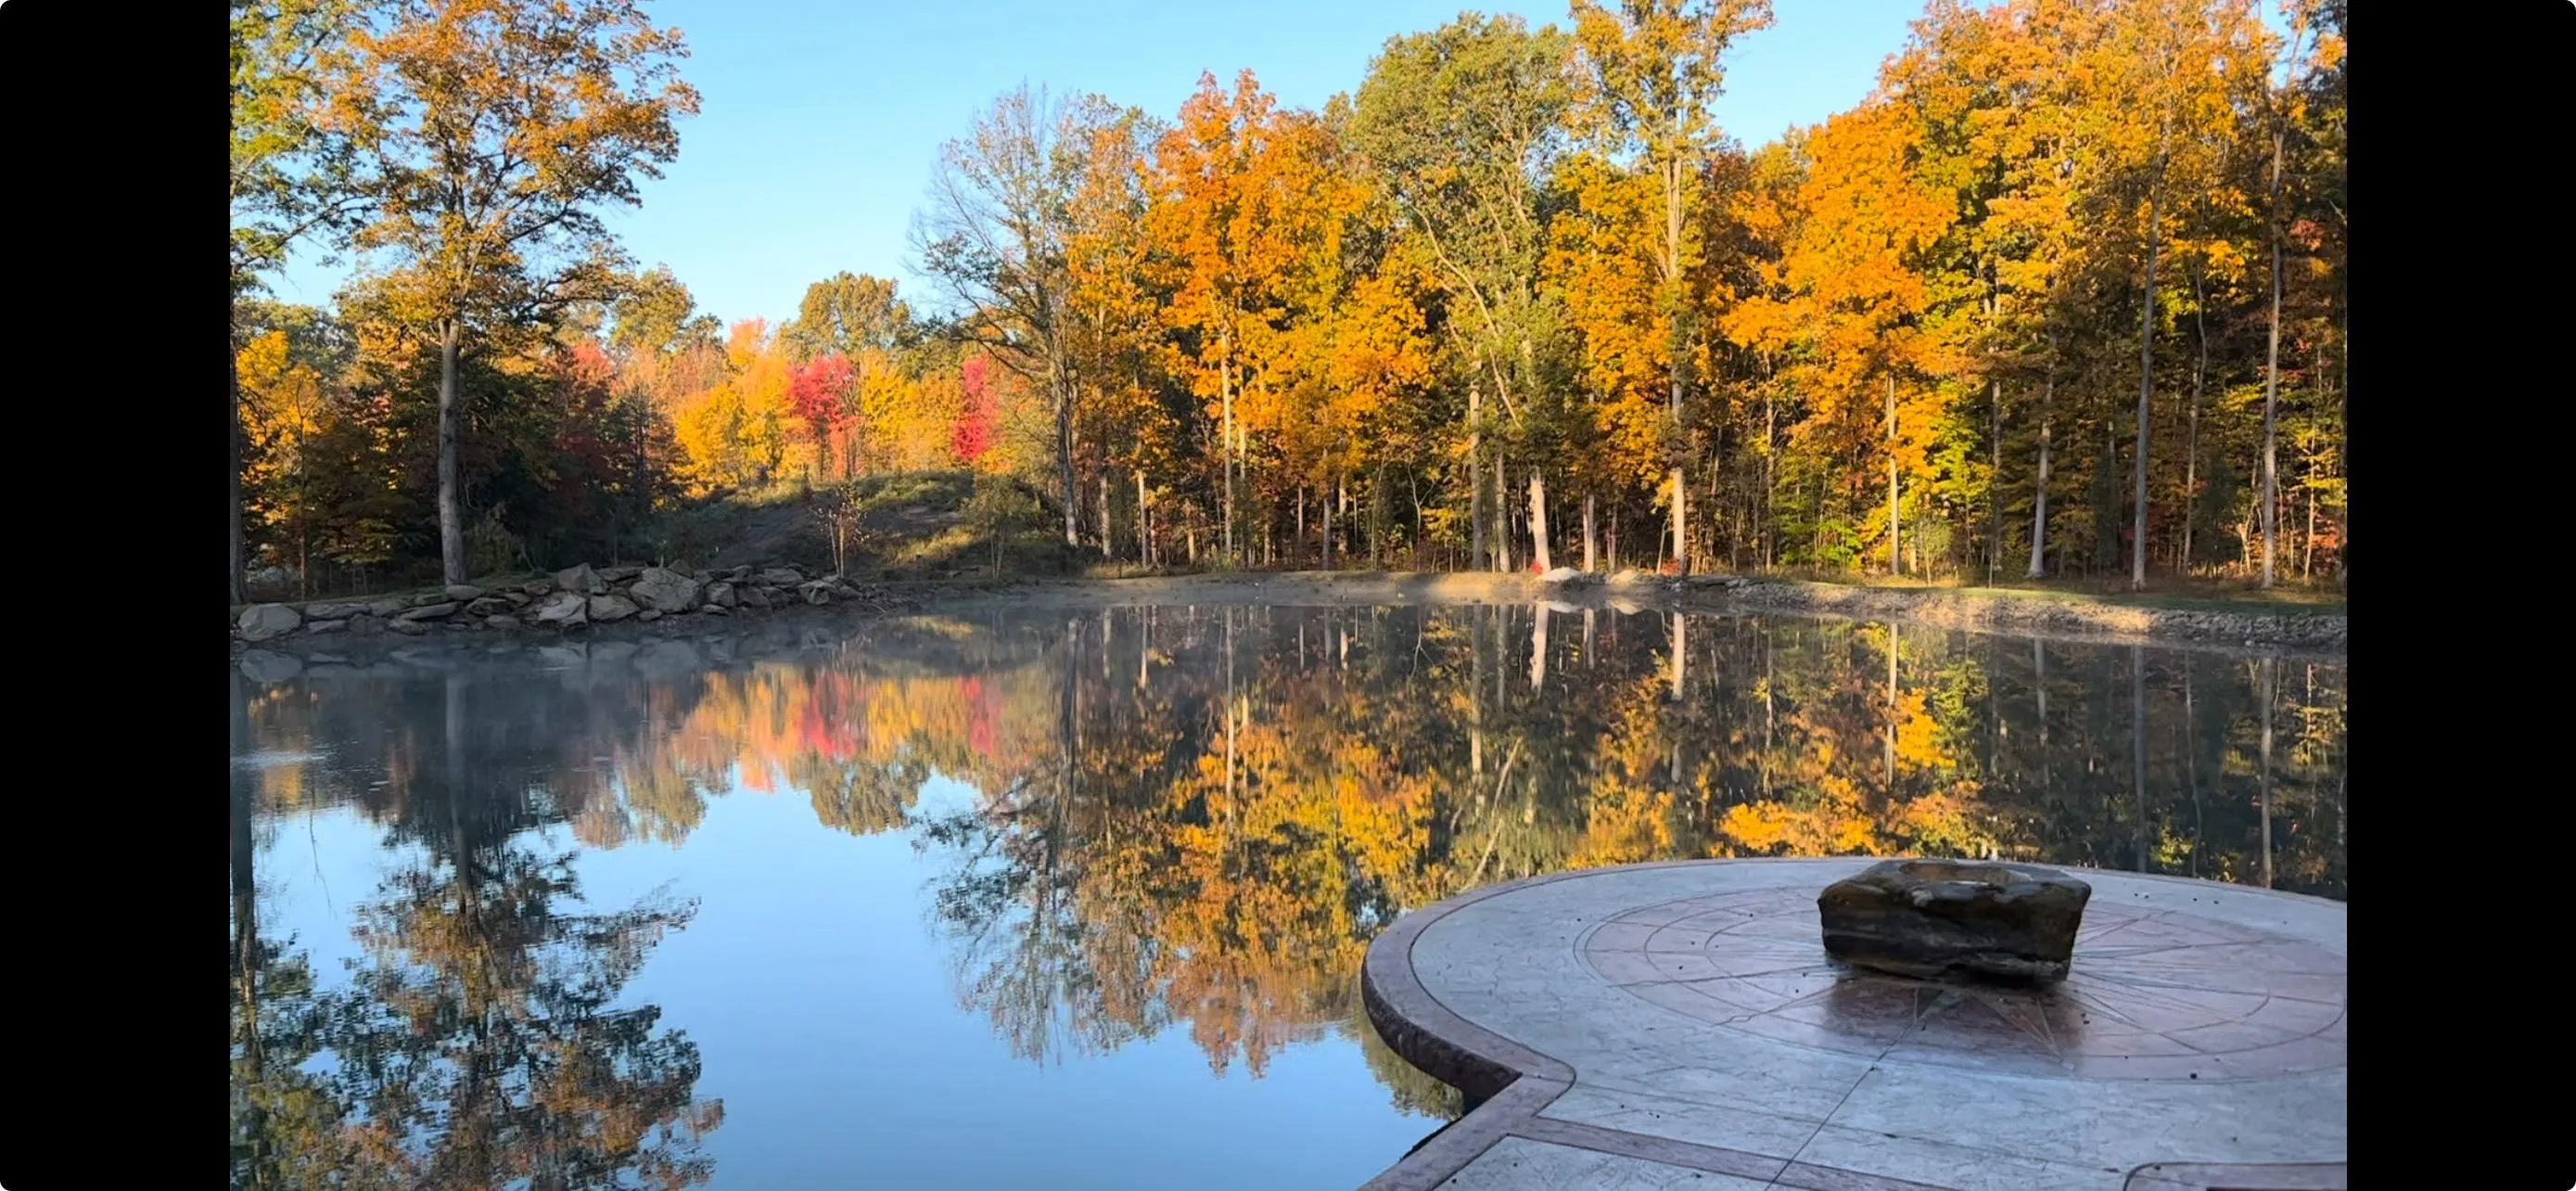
2161 994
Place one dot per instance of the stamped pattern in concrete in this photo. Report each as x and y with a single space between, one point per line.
1517 1162
1685 1015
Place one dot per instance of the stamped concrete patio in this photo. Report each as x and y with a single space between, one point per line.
1679 1025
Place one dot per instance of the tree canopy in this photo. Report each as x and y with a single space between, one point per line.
2016 311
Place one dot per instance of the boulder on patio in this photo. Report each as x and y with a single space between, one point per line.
1927 918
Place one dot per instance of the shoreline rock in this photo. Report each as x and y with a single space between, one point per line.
582 599
259 622
576 603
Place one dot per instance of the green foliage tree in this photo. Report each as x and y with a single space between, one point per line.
294 174
999 510
1462 124
847 314
497 129
1652 72
654 317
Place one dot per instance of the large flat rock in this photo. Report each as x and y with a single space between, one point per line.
1934 918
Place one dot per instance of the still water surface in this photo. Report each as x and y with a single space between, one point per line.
1079 899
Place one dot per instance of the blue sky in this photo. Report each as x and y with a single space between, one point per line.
822 118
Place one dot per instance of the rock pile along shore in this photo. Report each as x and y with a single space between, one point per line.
575 598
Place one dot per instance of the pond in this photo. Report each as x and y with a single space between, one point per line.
1078 898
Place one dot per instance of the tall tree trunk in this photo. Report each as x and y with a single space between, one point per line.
1225 384
1502 515
2146 382
1588 557
1337 512
1744 514
1475 477
1770 475
1377 532
233 476
1328 533
1681 524
1538 520
1895 534
451 512
2308 541
1994 449
1716 494
1676 352
1994 474
2039 486
1104 515
1342 517
1061 388
2190 477
2191 438
2272 383
1914 555
1144 526
1413 490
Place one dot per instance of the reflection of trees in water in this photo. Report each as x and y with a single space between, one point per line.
1411 1089
1270 796
286 1129
478 1043
1201 816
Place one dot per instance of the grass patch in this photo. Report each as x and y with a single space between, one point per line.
908 525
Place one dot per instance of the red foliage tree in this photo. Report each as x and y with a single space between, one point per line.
972 434
586 466
819 395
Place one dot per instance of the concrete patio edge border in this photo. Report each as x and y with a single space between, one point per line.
1512 1081
1515 1083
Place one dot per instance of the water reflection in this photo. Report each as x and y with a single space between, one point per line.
479 1042
1181 818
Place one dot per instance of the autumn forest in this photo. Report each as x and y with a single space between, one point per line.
2062 298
